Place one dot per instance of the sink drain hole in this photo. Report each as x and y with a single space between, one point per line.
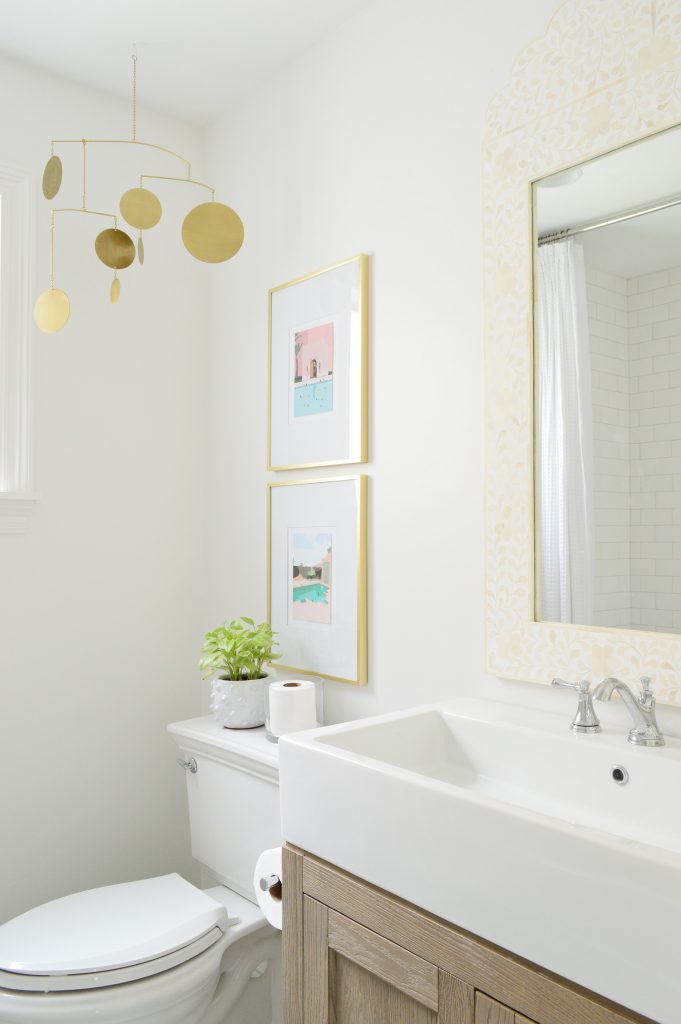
619 775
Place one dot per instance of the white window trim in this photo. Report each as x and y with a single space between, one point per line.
17 497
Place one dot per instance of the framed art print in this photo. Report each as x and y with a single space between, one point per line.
318 345
316 569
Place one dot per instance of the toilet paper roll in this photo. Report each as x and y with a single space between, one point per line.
292 706
267 885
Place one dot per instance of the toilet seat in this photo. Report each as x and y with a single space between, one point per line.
178 995
109 936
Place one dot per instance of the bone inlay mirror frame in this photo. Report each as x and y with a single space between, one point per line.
605 74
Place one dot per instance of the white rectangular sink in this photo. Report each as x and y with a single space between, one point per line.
501 821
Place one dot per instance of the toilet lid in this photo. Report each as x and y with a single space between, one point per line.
106 929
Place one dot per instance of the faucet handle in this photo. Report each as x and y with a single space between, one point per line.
582 687
585 720
646 697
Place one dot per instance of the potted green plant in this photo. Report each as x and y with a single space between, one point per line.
234 655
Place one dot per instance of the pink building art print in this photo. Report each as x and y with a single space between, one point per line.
313 371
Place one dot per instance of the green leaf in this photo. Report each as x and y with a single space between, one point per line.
239 649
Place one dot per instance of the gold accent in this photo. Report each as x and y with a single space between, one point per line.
171 177
79 209
51 248
84 202
115 248
115 290
52 310
212 232
363 261
212 235
124 142
52 176
134 97
141 208
362 654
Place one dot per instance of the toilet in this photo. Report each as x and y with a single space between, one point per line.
161 950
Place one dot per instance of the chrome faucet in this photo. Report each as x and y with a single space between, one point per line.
585 720
645 732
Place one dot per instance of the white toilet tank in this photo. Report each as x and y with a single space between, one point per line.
233 797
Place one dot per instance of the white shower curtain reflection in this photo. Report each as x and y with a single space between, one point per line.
564 437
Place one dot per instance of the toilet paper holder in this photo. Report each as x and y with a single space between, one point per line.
267 886
272 884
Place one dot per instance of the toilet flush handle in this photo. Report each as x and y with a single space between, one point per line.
189 766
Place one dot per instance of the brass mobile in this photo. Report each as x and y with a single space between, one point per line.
211 232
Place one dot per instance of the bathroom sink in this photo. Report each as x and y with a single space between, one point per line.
564 849
549 771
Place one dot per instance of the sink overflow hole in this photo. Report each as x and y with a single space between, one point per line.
620 775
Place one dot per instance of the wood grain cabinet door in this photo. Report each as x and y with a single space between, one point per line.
489 1011
356 955
355 976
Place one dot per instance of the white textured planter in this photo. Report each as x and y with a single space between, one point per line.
238 704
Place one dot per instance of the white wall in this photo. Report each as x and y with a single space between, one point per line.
99 631
371 142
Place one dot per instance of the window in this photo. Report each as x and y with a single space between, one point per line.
16 483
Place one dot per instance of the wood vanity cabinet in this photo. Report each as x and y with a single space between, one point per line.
354 954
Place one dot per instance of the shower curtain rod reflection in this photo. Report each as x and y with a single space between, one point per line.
615 218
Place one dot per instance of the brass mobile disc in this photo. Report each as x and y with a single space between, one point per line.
52 310
115 248
52 177
212 232
140 248
115 290
141 208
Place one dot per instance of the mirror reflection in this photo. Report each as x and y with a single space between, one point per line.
608 390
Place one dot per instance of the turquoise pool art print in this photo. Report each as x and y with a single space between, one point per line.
311 576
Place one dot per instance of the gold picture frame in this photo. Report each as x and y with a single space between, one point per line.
279 560
305 301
